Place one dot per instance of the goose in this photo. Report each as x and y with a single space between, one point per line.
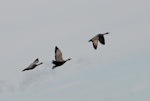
58 58
98 37
33 65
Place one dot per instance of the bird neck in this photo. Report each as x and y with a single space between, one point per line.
106 33
68 59
40 63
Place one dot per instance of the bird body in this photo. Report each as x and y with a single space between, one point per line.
98 37
58 58
33 65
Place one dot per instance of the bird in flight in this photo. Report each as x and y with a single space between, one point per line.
58 58
98 37
34 64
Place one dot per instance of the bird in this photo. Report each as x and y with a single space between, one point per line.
58 58
34 64
99 37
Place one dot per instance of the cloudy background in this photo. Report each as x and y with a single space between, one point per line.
118 71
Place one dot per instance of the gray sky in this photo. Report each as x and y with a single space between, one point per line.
118 71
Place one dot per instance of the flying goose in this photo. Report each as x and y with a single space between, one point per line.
98 37
33 65
58 58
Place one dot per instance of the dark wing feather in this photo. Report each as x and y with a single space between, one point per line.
102 40
36 60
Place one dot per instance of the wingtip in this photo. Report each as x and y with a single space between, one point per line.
56 47
37 59
95 48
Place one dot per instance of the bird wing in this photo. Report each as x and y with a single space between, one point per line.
58 54
95 43
36 60
101 39
31 66
33 63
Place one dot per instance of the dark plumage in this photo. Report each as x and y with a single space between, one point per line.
58 58
98 37
33 65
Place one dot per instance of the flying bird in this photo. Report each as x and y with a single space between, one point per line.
33 65
98 37
58 58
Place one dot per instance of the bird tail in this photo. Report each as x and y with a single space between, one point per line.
54 67
90 40
54 62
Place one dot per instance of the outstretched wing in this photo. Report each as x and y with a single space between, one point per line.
31 66
95 43
101 39
58 54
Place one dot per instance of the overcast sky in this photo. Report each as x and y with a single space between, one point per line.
116 71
